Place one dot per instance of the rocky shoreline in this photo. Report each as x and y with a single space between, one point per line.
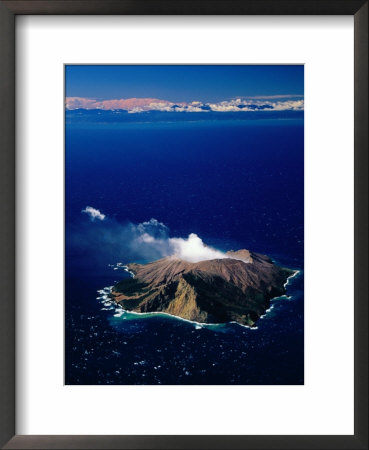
237 288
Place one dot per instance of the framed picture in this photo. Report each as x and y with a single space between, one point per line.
184 239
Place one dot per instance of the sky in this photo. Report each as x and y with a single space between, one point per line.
183 83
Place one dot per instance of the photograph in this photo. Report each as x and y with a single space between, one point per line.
184 224
185 192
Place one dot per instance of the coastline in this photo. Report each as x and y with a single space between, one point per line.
296 272
120 311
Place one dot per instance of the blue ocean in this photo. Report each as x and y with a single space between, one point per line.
236 184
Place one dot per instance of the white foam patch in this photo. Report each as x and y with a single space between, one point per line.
125 268
290 277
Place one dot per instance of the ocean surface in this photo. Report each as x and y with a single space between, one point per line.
236 184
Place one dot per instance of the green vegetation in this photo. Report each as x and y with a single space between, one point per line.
131 287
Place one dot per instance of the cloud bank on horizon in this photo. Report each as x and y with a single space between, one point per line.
138 105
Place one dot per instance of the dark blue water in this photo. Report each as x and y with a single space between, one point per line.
237 184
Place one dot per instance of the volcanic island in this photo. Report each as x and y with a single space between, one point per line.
237 288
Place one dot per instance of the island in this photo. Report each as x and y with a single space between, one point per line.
237 288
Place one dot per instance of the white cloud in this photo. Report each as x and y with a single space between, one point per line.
193 249
153 228
146 238
127 242
93 213
155 235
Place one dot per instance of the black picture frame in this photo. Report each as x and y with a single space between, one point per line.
8 12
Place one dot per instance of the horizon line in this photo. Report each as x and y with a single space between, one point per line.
280 102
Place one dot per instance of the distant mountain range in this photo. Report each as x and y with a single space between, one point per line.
139 105
237 288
